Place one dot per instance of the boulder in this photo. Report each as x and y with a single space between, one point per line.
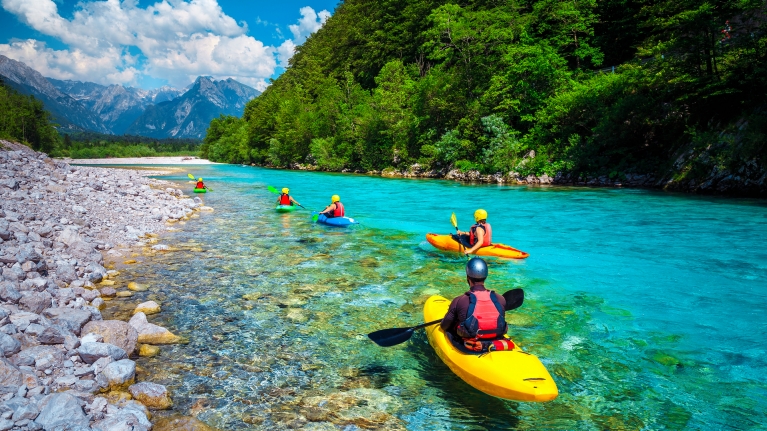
148 350
61 411
66 272
149 307
69 236
35 302
43 355
152 395
91 352
9 292
53 335
116 332
70 318
9 345
131 417
10 376
117 375
150 333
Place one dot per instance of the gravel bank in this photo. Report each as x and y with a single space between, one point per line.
62 367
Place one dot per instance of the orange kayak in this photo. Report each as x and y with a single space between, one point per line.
447 243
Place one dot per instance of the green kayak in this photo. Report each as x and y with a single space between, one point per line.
200 190
286 208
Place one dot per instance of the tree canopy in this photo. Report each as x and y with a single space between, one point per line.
584 87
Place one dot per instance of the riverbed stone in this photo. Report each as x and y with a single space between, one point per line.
35 302
148 308
150 333
148 350
117 375
61 411
152 395
180 423
10 376
91 352
136 287
9 345
116 332
69 318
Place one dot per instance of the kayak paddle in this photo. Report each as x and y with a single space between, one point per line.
273 190
454 222
393 336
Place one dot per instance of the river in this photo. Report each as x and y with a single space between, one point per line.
646 307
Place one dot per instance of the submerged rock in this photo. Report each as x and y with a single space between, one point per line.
149 307
150 333
152 395
181 423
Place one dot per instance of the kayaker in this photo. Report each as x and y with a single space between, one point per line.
335 209
478 315
286 199
200 185
480 235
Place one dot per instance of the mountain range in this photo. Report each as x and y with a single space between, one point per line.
160 113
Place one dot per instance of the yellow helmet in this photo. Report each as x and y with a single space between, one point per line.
335 198
285 190
199 179
480 214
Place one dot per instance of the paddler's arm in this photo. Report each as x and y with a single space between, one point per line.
294 201
329 208
478 244
449 320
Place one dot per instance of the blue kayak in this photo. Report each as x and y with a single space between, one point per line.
335 221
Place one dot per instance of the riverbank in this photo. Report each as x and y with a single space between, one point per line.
142 161
749 181
61 229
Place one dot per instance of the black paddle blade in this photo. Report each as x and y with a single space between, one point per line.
514 298
391 337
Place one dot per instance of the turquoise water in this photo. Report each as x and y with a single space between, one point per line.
647 307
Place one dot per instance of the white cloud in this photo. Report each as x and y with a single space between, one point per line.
309 23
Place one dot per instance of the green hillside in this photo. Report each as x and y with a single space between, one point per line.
672 88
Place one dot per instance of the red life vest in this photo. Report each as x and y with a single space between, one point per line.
484 318
487 240
199 185
339 211
285 199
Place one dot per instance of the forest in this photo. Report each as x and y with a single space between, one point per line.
24 119
92 145
582 87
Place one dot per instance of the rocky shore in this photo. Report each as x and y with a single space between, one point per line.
62 366
749 180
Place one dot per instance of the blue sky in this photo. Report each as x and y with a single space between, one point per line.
153 43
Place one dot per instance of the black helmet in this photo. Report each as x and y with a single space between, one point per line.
476 268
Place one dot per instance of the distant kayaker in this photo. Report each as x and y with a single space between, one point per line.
200 185
335 209
480 235
478 315
286 199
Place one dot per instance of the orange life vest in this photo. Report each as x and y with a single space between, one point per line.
339 211
488 238
285 199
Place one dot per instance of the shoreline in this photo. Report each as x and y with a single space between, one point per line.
175 160
62 230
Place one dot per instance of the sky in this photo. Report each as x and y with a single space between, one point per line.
151 43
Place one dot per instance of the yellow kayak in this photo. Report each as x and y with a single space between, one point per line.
512 375
447 243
